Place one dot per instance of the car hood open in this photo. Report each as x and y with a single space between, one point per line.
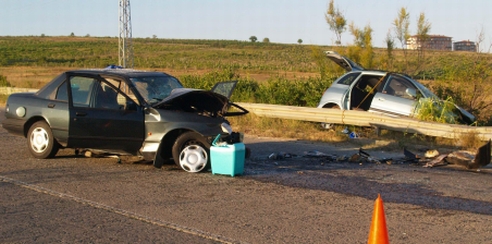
343 62
213 103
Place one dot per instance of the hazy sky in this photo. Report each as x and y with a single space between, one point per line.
283 21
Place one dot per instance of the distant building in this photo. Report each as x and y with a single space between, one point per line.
465 46
434 42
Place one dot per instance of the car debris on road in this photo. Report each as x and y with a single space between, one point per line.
431 158
463 158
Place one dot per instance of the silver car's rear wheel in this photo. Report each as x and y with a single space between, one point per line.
191 152
40 141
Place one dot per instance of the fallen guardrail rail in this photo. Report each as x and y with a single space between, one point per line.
348 117
362 118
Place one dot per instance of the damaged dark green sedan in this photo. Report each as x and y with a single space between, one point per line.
126 112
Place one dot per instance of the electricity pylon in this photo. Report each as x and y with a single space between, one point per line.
125 56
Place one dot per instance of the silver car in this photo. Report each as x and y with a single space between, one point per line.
389 93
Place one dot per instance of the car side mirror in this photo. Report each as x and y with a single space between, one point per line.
411 92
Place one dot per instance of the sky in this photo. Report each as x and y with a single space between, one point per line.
281 21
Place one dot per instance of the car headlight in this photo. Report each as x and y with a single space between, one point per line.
226 127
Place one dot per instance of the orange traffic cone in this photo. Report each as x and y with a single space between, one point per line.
378 233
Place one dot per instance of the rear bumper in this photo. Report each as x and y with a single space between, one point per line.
14 126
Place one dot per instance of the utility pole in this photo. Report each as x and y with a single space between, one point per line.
125 56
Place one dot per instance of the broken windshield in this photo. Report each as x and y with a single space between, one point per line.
155 88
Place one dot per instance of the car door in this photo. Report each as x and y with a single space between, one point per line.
397 97
102 116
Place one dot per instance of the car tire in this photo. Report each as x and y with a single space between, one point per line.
40 141
191 152
329 126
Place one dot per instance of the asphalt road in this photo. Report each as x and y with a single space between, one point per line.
292 200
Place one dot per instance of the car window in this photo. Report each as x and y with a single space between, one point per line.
122 88
348 79
81 88
106 97
397 86
61 93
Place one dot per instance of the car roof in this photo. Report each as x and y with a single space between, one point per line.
119 72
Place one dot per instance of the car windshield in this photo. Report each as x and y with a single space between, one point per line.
155 88
425 90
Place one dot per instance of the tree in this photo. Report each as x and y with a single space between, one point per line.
390 46
299 41
363 50
480 39
336 21
401 23
266 40
253 39
423 28
72 34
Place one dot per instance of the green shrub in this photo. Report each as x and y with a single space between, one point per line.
436 110
4 82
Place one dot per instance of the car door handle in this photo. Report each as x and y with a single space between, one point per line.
81 114
51 105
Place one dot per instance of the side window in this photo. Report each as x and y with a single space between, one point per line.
81 88
123 88
397 86
348 79
106 97
61 93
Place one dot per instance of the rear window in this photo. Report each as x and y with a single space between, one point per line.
348 79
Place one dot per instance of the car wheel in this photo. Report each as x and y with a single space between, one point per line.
191 152
40 141
329 126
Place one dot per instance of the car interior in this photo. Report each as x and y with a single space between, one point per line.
363 92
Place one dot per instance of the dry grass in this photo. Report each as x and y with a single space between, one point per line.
368 137
254 125
31 76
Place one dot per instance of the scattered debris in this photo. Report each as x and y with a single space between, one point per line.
436 162
92 153
281 155
353 135
410 156
431 158
431 153
463 158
